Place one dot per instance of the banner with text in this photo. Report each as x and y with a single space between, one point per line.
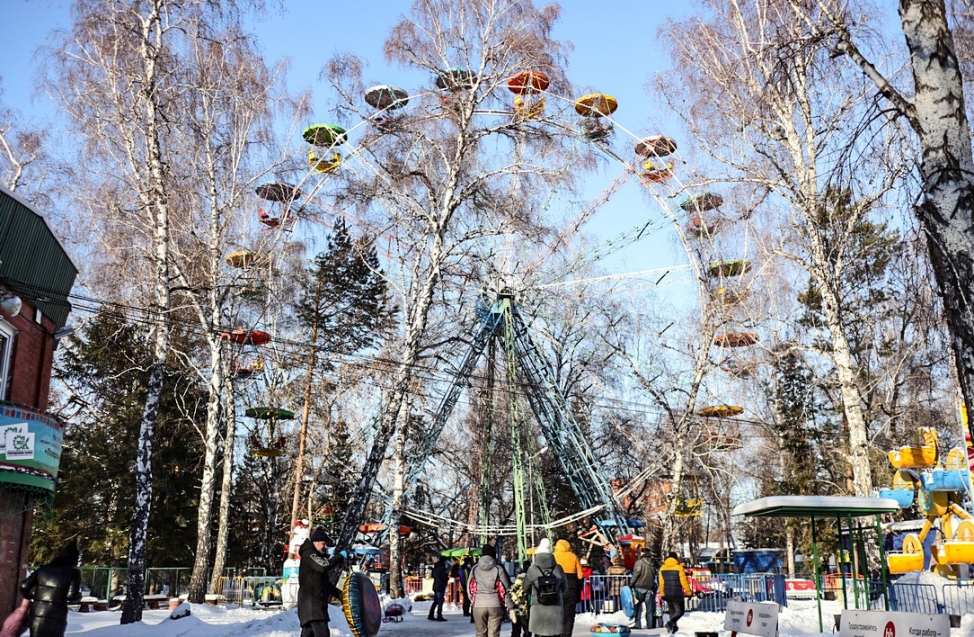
872 623
30 446
752 619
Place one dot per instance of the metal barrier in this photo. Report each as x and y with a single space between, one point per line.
605 597
107 582
958 597
251 591
914 598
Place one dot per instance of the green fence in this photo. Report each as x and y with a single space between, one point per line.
106 582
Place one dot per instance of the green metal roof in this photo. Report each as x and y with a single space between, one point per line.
32 261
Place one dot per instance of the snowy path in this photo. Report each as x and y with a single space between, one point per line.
800 619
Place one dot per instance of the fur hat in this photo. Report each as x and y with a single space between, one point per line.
544 546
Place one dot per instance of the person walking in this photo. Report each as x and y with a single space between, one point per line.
545 584
616 579
314 584
675 588
50 588
488 603
441 575
465 567
644 584
519 597
574 577
586 595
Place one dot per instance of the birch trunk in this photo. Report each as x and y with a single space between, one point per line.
946 207
398 491
158 211
226 487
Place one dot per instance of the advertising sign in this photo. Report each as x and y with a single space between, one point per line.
871 623
30 446
752 619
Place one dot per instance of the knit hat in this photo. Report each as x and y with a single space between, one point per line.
544 546
319 535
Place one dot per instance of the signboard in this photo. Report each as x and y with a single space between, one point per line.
752 619
871 623
30 447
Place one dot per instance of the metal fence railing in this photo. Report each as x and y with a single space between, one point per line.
262 591
108 583
710 594
958 597
914 598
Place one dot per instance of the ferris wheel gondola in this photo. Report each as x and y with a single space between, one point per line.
388 101
326 137
528 87
595 109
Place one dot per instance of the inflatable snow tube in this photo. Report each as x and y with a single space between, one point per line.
628 601
361 605
614 629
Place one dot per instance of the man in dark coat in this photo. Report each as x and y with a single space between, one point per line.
675 587
441 575
643 586
50 588
314 584
545 620
465 567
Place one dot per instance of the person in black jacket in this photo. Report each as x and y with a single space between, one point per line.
314 585
50 588
441 575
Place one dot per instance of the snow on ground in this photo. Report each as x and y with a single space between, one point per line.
799 619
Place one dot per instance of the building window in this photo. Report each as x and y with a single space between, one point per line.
6 353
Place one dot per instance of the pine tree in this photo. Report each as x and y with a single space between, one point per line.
344 306
104 373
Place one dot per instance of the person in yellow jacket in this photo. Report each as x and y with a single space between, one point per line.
569 563
675 588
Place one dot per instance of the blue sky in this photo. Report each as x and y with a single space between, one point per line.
615 52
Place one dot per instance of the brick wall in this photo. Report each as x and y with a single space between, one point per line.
33 355
16 517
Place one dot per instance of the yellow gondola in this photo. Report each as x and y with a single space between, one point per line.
921 454
721 411
324 165
596 105
911 559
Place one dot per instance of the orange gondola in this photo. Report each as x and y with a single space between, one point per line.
247 337
721 411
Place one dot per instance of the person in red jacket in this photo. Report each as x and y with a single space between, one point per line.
675 587
586 596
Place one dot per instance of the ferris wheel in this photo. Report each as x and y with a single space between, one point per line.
651 160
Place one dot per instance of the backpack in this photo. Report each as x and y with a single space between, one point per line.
547 586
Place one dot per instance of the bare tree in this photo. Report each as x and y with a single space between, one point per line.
132 78
435 180
779 116
937 114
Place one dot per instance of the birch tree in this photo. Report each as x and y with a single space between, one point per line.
780 116
441 184
125 75
933 106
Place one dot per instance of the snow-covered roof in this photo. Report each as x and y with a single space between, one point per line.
808 506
